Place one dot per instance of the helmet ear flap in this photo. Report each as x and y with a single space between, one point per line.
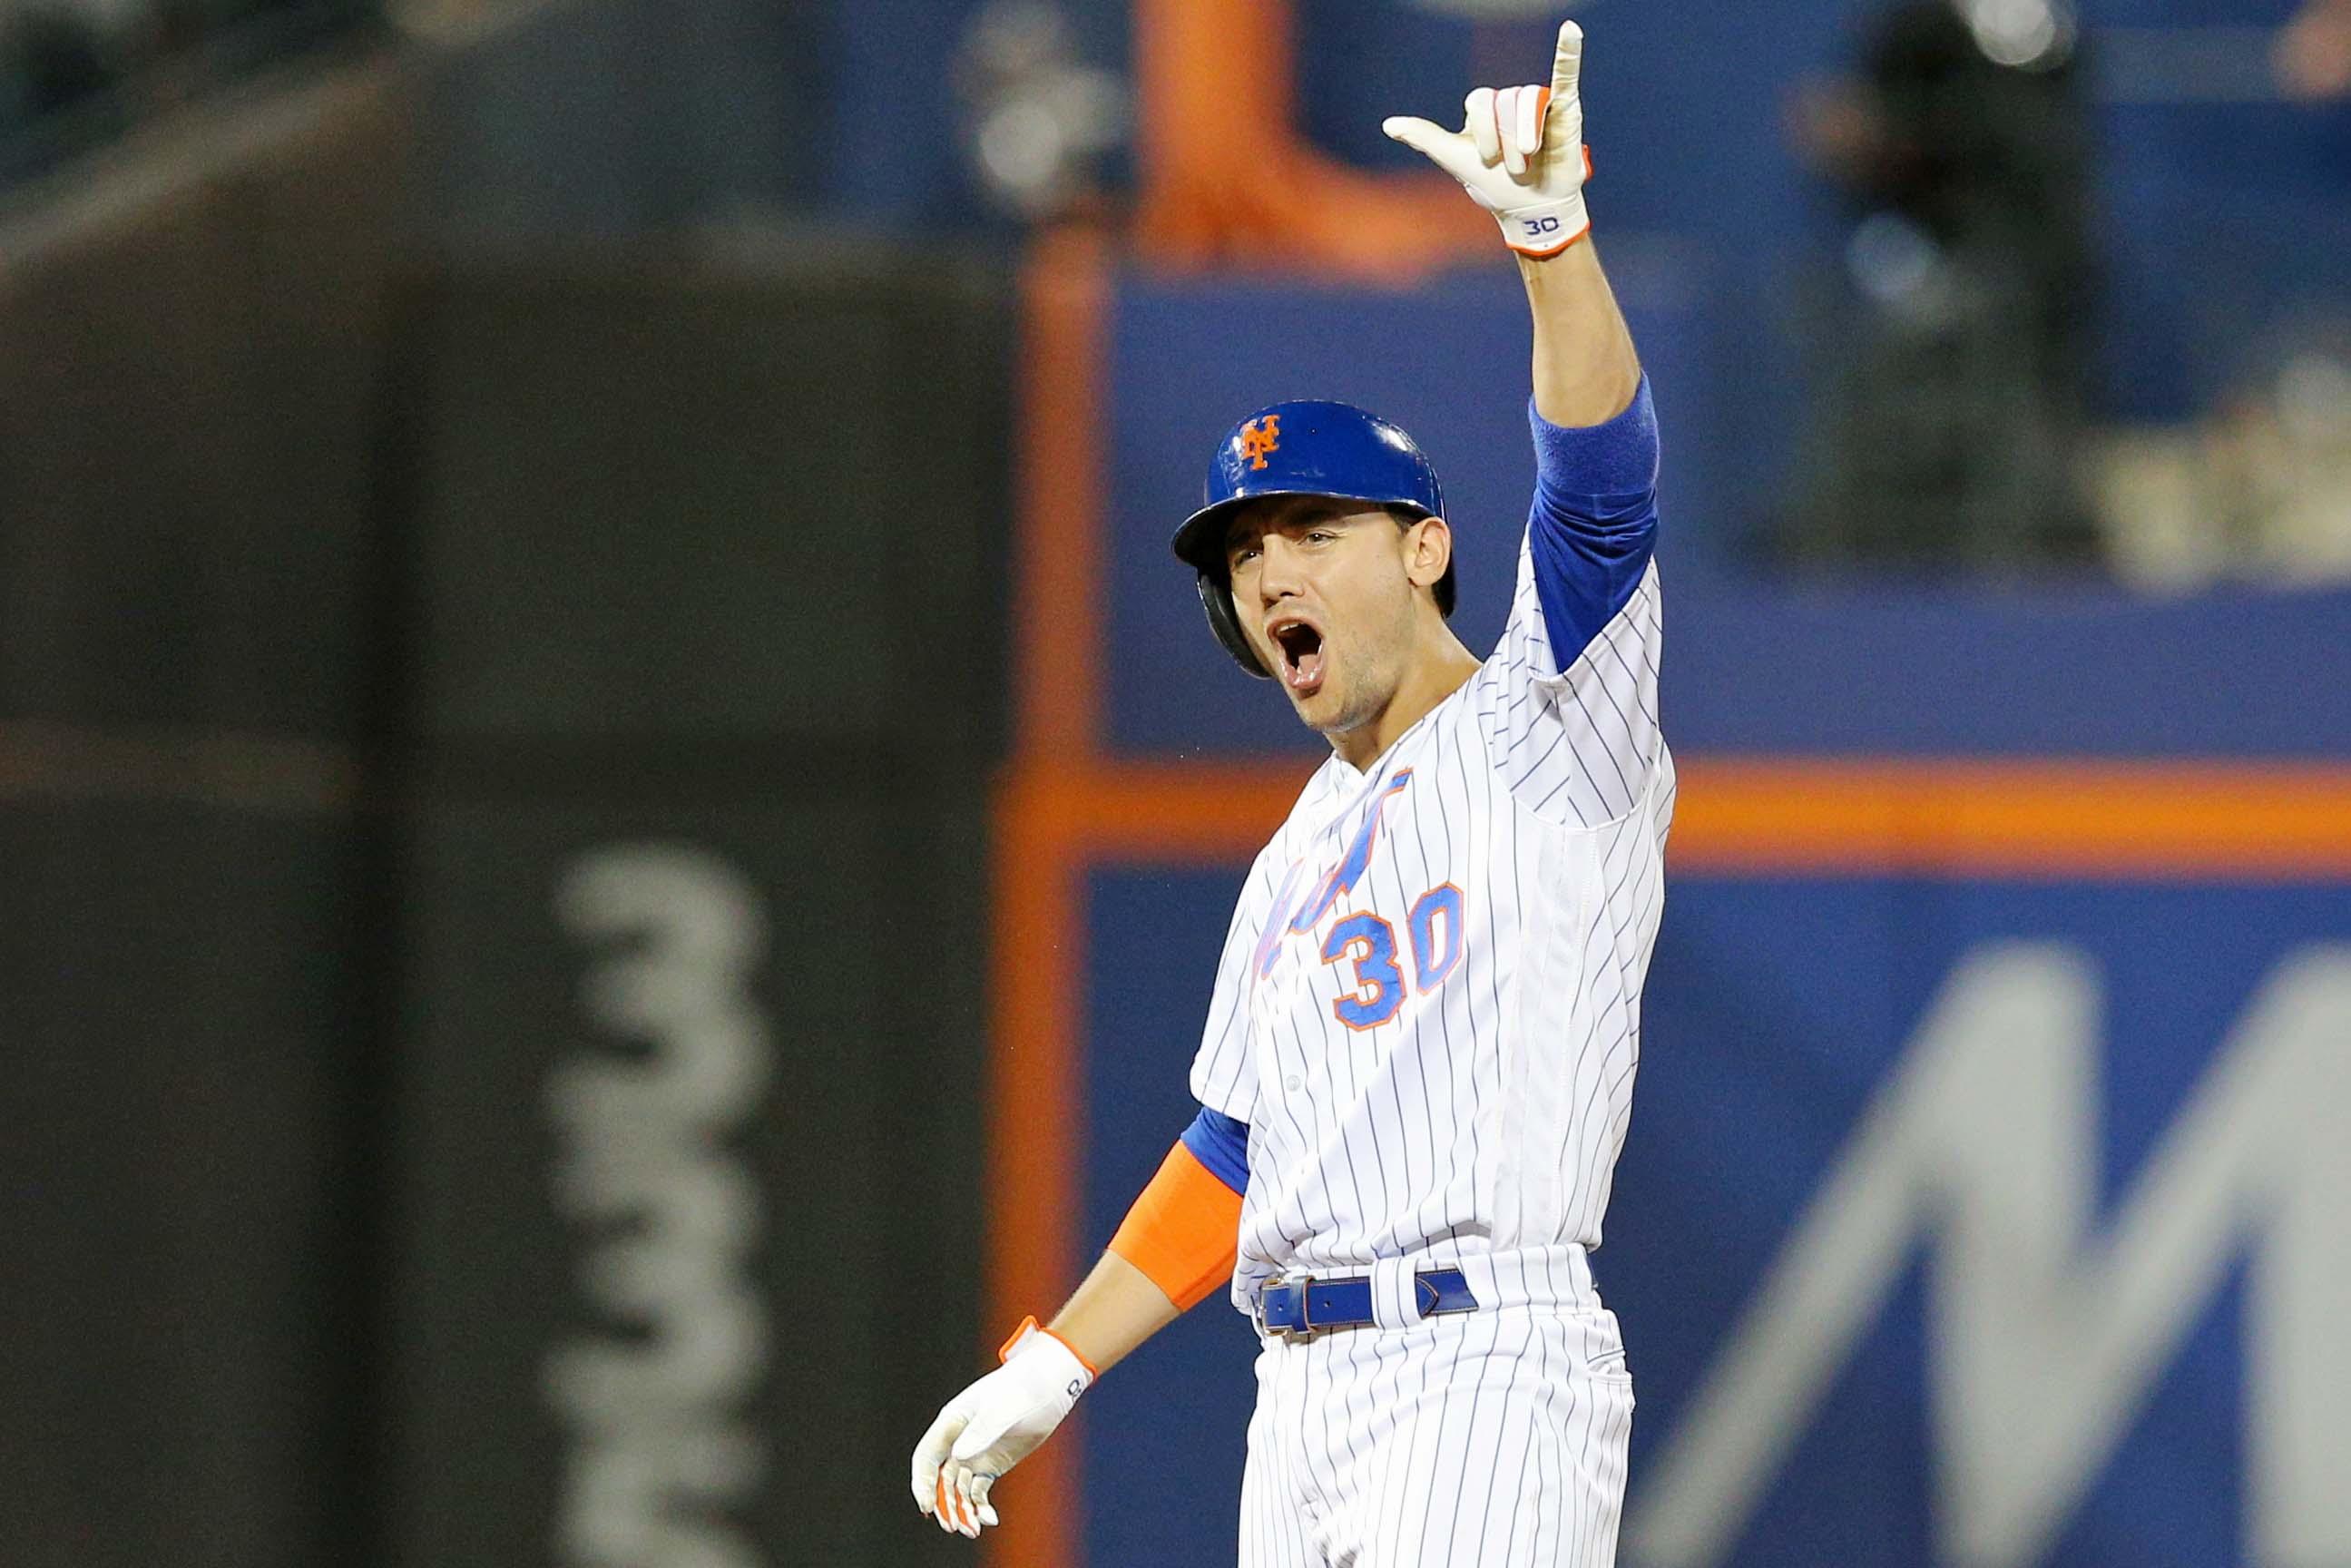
1217 600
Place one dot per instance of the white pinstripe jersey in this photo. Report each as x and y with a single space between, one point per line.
1433 1038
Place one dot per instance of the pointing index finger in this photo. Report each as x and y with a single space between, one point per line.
1567 63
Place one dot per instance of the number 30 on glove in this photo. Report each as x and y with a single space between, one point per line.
1520 153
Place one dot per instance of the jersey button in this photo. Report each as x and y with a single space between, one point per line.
1293 1083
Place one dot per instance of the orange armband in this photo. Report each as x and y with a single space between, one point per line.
1184 1231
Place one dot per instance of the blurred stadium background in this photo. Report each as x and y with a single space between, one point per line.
615 822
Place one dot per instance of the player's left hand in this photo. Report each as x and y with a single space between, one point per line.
993 1424
1520 153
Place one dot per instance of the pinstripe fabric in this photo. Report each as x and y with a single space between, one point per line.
1487 1112
1427 1012
1490 1439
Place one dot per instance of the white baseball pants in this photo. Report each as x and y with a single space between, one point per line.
1486 1439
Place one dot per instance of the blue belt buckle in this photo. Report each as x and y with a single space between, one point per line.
1303 1329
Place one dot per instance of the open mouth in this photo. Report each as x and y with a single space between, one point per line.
1302 657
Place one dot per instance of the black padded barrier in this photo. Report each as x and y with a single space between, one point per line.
702 711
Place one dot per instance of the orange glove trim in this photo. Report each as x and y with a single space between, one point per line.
1004 1350
1184 1231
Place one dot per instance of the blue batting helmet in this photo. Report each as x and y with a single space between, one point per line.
1300 449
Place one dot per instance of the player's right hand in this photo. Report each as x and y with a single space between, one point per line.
994 1424
1520 153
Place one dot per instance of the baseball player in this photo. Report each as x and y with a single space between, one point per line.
1418 1060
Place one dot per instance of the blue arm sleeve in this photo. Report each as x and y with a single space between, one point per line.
1594 521
1221 1143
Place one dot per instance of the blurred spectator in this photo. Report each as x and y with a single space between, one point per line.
2260 488
1038 119
1953 357
2313 52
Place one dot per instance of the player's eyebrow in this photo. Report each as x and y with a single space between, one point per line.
1303 512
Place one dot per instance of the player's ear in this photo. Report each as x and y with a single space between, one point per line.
1427 550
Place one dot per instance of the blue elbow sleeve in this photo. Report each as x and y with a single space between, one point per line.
1221 1143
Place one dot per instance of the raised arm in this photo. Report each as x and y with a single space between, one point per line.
1585 371
1520 153
1583 624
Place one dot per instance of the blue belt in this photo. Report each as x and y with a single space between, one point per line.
1301 1305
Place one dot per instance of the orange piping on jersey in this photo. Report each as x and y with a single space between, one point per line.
1184 1231
1353 866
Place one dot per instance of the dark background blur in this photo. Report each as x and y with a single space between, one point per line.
527 606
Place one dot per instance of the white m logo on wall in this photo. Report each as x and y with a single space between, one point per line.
2044 1338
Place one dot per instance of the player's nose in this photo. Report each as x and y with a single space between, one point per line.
1280 573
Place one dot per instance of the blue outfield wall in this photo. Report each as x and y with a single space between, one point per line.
1163 1433
1775 1013
2172 1043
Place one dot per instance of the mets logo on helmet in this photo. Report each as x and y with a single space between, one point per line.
1257 442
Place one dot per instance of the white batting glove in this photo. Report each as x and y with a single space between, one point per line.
994 1424
1520 153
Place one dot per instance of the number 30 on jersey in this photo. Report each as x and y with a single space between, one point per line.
1369 942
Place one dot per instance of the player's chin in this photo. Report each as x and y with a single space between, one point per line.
1326 715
